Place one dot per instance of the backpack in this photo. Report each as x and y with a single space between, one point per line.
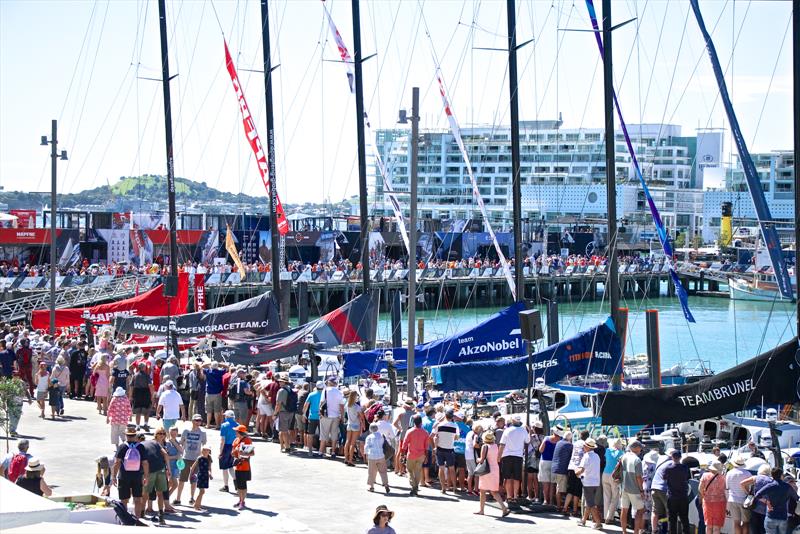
374 409
133 460
17 466
291 400
24 355
232 395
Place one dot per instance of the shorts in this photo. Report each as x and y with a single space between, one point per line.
240 479
41 395
118 433
157 482
142 410
329 429
226 459
285 421
633 501
511 468
445 457
354 426
312 426
213 403
265 408
471 465
187 467
574 484
561 482
428 461
130 485
461 461
739 514
545 473
659 502
592 494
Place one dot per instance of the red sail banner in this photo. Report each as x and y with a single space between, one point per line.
199 292
255 143
148 304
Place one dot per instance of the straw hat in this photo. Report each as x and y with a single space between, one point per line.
715 467
739 461
382 509
488 437
34 465
592 444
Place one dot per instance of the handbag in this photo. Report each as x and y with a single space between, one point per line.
388 450
616 475
750 500
482 469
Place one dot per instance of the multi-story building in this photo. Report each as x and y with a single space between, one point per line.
775 172
563 171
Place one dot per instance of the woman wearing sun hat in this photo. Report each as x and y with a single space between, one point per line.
33 480
118 415
381 521
714 498
490 482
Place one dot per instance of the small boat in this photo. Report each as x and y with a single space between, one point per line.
762 288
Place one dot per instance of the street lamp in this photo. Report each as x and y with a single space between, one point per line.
54 157
172 338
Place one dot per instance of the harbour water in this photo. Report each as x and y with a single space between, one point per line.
726 331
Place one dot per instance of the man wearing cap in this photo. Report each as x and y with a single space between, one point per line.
331 409
158 480
511 453
170 405
632 490
677 477
192 442
239 393
589 472
311 415
170 370
131 482
444 436
460 450
227 435
740 516
285 409
118 415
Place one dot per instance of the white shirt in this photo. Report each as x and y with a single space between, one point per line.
577 455
334 399
469 450
387 429
171 401
514 439
590 463
733 482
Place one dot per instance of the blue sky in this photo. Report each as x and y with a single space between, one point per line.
83 62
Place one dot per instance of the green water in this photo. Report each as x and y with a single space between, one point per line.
726 331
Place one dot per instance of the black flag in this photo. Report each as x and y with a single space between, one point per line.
771 378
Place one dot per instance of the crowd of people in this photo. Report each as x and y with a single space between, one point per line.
160 414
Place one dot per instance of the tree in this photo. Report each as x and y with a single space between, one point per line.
12 390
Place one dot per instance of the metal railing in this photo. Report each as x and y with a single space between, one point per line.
73 297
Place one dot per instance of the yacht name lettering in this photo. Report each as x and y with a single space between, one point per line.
489 347
715 394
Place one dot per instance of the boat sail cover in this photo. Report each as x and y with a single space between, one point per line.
597 350
258 315
355 322
771 378
496 337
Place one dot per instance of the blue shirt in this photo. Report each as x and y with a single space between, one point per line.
214 382
427 424
659 482
547 453
561 457
227 430
677 478
612 457
778 493
313 404
460 443
373 446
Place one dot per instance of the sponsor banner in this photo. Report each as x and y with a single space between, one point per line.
771 378
25 236
258 315
496 337
150 303
141 247
25 218
199 292
355 322
597 350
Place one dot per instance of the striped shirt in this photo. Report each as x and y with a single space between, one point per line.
446 432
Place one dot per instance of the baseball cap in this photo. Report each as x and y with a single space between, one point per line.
197 417
320 384
635 443
241 428
230 413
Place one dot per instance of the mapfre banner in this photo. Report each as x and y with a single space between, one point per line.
150 303
199 292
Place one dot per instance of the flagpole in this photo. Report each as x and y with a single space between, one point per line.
276 263
358 56
796 95
516 187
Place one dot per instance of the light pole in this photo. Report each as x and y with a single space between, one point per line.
54 157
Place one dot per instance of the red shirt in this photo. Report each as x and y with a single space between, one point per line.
272 391
226 381
415 443
244 465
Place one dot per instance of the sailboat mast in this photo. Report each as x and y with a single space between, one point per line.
277 261
165 79
796 94
516 188
358 56
612 285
